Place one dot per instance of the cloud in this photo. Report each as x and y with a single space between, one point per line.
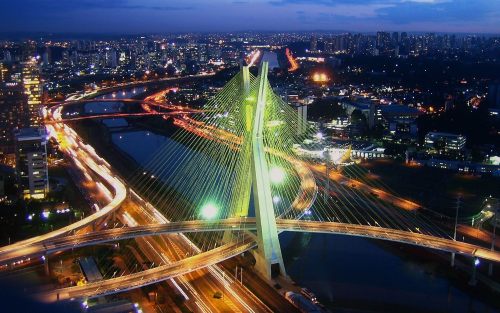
463 11
351 2
398 11
232 15
78 5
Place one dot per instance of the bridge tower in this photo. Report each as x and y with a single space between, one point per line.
269 260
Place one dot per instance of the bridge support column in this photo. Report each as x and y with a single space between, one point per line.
46 263
269 261
473 279
241 201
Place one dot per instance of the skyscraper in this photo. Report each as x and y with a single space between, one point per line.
31 162
33 90
13 113
3 72
494 94
314 43
329 46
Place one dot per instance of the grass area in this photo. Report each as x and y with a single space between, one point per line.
433 188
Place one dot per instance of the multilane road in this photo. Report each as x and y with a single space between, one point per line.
98 237
232 249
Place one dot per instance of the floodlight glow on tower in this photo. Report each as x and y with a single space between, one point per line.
277 175
209 211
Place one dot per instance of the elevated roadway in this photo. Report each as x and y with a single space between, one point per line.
245 224
227 251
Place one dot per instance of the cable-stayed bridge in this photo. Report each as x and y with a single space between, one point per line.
230 181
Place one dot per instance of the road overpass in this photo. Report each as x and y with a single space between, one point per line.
249 224
151 276
204 259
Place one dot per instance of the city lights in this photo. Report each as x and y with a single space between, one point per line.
277 175
226 153
320 77
209 211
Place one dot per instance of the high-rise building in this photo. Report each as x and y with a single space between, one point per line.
395 38
494 95
7 56
13 113
47 56
111 58
28 50
31 162
3 72
314 43
383 41
340 43
33 90
329 46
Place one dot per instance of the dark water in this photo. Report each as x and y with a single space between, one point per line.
103 107
348 274
124 94
112 107
358 273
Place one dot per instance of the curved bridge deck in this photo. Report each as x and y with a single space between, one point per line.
238 224
224 252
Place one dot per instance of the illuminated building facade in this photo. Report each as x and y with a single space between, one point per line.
31 162
13 113
444 143
33 90
3 73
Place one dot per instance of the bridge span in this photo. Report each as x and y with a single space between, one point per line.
249 224
223 252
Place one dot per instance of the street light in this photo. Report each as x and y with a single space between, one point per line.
276 199
475 264
209 211
277 175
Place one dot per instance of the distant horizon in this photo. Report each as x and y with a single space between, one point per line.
17 35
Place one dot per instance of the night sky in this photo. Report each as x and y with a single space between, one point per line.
157 16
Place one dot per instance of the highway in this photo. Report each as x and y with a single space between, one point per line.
199 285
114 115
157 248
151 276
229 250
85 158
245 224
210 279
353 183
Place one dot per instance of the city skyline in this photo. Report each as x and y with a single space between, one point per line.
151 16
254 156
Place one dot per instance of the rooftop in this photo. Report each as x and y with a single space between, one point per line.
30 133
